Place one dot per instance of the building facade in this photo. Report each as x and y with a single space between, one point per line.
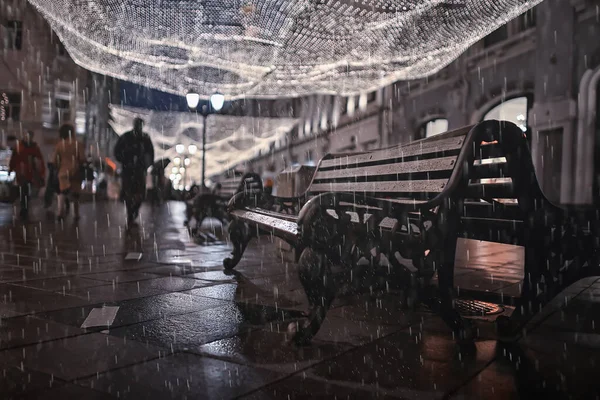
41 87
540 70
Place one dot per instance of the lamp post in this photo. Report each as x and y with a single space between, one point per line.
216 103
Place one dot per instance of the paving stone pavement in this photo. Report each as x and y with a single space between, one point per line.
186 329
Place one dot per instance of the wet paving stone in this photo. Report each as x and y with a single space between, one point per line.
66 391
62 285
18 383
389 309
246 291
137 310
192 330
225 291
142 288
22 300
79 356
182 376
408 366
271 350
117 277
187 329
299 388
22 331
339 330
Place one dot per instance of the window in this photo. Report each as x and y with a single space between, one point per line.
371 97
10 106
434 127
310 158
499 35
343 105
14 35
527 20
62 111
513 110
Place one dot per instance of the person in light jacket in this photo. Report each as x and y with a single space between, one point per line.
69 157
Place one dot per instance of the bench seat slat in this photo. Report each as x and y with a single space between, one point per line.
287 217
429 165
284 228
415 149
430 186
404 201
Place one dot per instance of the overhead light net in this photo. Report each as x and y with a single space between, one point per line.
272 48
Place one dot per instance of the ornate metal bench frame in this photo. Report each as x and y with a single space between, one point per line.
344 228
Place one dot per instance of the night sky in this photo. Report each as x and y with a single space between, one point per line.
134 95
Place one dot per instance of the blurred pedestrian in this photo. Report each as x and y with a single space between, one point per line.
28 164
53 187
135 152
158 183
69 157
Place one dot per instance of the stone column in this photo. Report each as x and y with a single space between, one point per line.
553 115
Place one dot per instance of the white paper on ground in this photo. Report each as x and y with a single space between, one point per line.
104 316
133 256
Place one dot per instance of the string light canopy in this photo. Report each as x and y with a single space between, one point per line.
231 140
272 48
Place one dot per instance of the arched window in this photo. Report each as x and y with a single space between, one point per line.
513 110
433 127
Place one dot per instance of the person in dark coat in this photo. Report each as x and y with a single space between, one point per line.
158 175
28 164
135 151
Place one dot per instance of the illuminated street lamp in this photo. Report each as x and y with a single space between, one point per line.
217 100
192 100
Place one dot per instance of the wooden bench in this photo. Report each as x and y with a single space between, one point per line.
406 207
214 204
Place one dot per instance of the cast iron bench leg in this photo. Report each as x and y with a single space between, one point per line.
240 237
444 303
317 282
442 300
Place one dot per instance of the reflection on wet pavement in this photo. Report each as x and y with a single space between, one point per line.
184 328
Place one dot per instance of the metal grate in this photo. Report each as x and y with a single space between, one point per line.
477 308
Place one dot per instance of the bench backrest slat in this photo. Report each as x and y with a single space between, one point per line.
396 153
427 186
412 173
428 165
